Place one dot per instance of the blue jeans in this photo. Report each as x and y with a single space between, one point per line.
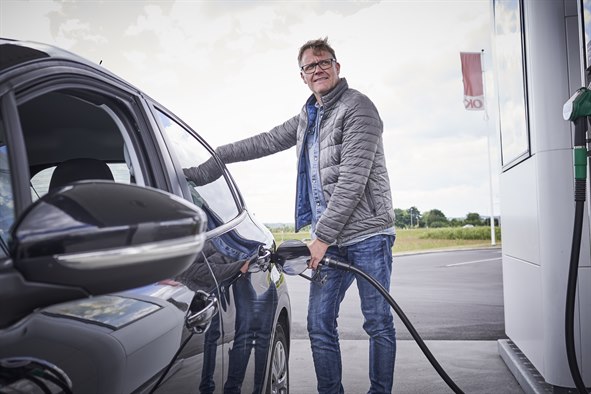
374 257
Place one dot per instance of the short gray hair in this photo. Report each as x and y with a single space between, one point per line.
317 46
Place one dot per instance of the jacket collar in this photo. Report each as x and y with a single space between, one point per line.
330 98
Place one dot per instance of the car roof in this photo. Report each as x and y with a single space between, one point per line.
19 56
15 53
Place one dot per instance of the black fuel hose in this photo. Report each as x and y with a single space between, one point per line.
580 160
571 291
327 261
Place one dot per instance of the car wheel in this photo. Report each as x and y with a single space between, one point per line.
279 371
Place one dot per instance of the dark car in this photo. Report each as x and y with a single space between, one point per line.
117 273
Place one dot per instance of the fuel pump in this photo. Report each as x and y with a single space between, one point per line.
577 109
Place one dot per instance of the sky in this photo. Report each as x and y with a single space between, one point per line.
229 69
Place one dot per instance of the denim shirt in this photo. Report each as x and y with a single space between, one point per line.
315 194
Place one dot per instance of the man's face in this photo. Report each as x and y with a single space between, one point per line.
320 81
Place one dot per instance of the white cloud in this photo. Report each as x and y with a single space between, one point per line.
26 20
74 30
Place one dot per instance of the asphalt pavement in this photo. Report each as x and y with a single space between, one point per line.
454 300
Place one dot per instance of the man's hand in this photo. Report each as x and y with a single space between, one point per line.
204 173
170 282
317 251
244 268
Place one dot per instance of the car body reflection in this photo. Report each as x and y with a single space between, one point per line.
239 339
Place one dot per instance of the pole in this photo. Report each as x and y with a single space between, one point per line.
493 240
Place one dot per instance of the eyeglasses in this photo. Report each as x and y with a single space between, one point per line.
323 64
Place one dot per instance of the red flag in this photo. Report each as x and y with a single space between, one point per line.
472 77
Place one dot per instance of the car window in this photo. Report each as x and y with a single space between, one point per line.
40 181
212 192
73 135
6 200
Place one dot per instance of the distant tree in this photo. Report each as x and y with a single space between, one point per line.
402 218
426 219
473 219
435 218
487 221
456 222
415 216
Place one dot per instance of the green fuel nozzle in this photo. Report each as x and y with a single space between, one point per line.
578 105
577 109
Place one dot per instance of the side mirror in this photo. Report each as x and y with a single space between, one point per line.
97 237
292 256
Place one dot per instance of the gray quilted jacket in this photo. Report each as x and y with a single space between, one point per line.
352 165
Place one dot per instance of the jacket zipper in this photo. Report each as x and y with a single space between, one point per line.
319 121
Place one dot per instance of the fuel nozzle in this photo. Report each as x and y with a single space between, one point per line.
579 105
577 109
333 263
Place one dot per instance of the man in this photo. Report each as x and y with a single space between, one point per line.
343 192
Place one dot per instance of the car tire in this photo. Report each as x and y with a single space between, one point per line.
279 369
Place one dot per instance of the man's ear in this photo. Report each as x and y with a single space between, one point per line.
303 78
338 66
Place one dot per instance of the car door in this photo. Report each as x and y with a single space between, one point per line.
61 127
238 253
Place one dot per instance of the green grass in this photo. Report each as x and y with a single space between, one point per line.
284 236
422 239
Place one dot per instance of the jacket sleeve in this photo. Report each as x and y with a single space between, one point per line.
277 139
362 132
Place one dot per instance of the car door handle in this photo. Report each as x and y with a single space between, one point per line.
201 312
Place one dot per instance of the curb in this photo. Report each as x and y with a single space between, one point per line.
395 254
